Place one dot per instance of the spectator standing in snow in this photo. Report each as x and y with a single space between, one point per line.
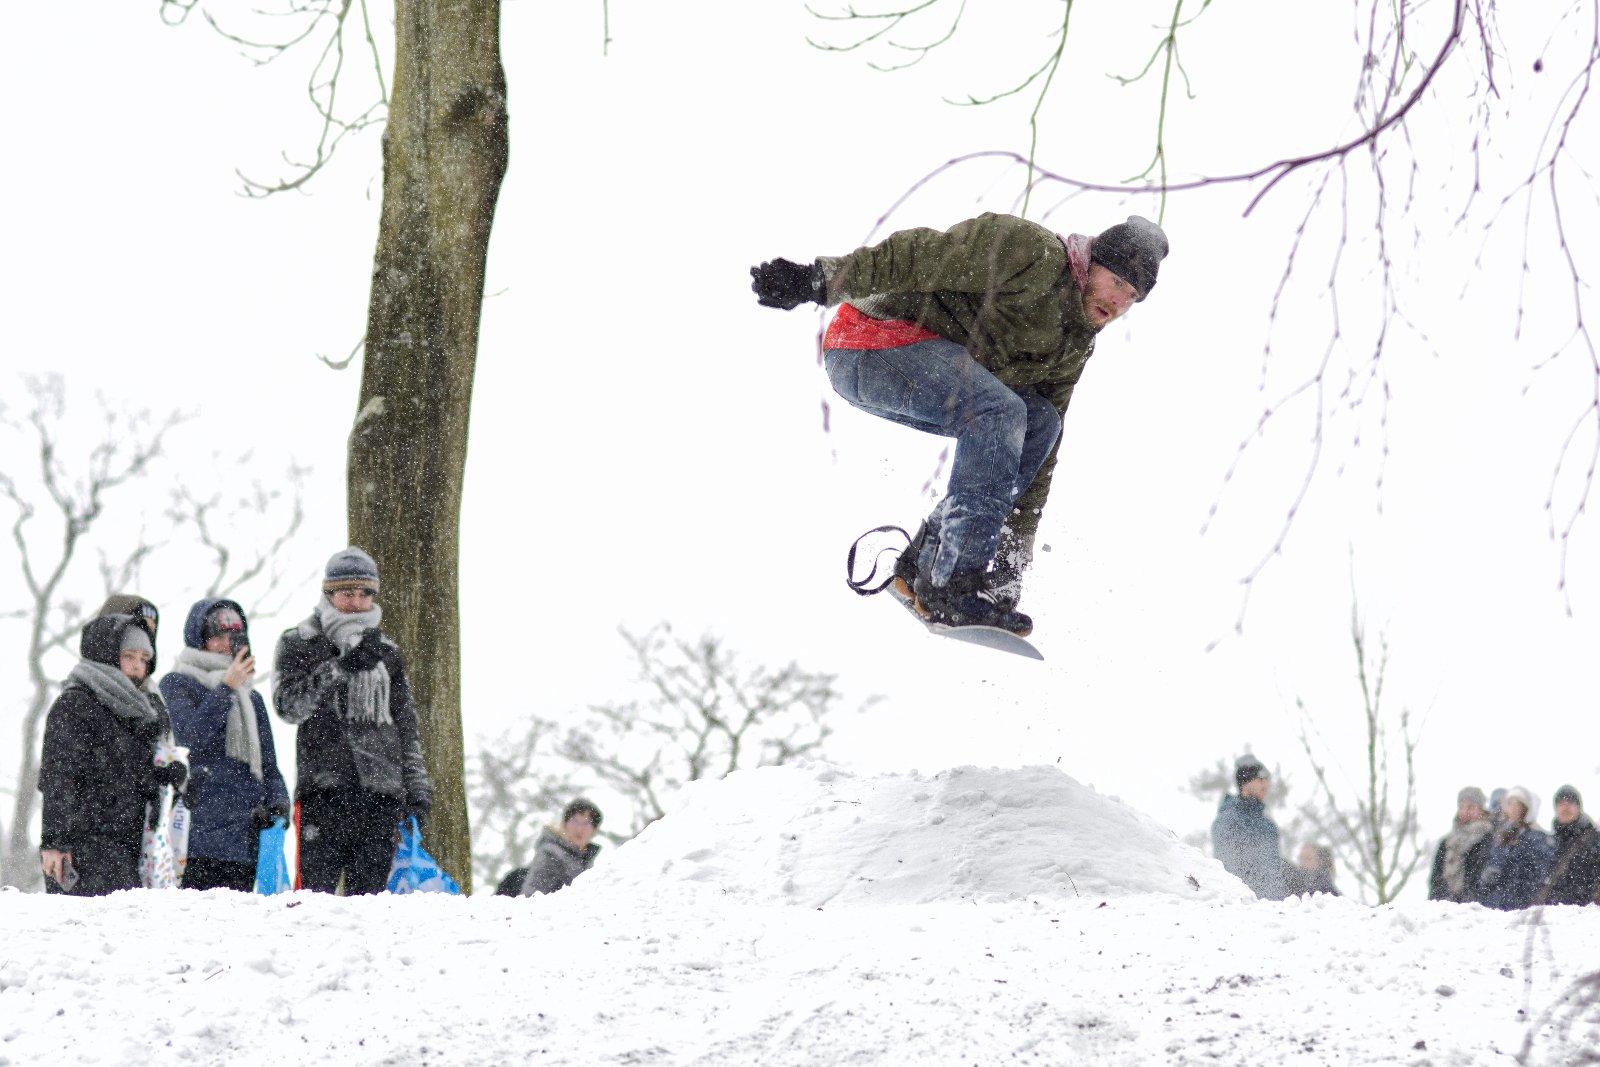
563 852
343 683
979 333
1519 860
1243 835
1312 872
235 787
1575 872
97 769
139 608
1462 854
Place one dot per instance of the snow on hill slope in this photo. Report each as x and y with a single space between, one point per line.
808 916
814 836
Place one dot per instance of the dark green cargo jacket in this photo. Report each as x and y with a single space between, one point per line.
998 285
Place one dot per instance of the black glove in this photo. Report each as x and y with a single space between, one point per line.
418 810
782 284
364 656
261 818
171 774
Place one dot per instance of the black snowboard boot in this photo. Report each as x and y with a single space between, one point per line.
969 600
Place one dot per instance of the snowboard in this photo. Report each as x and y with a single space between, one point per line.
870 585
986 636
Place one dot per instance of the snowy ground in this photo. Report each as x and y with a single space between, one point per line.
810 916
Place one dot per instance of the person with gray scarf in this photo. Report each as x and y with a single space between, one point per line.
359 756
97 771
235 789
1459 860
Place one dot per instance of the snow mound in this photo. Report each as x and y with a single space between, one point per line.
816 834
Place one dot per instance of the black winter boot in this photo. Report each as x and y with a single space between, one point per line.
968 600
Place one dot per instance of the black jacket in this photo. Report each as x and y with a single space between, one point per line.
1575 875
333 753
96 770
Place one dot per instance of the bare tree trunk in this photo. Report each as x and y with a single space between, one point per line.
444 156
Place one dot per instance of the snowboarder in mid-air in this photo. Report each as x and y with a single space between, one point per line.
978 333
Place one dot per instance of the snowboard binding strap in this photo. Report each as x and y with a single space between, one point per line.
863 586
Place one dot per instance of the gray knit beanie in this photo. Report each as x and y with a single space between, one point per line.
1133 251
350 568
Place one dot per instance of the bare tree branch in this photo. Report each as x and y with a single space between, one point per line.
331 27
1372 824
701 714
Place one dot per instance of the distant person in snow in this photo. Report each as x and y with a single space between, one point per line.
564 852
97 771
1574 876
359 756
978 333
235 787
1243 835
1459 860
1311 872
1519 860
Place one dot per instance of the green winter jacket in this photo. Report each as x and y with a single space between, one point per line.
998 285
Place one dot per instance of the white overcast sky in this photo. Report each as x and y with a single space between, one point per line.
647 443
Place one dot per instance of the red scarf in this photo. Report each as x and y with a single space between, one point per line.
851 329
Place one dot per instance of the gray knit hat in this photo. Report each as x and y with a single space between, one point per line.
1474 795
136 639
1133 251
350 568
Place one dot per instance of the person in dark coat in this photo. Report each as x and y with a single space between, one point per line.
97 769
359 756
1459 860
1243 835
1575 872
979 333
145 610
563 852
235 787
1519 861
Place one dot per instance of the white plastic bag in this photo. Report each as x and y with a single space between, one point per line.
164 849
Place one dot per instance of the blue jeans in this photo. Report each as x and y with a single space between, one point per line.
1002 438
